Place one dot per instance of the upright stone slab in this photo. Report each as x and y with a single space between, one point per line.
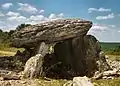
81 54
33 67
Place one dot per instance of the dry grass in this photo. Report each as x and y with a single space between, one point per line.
61 82
7 53
102 82
52 82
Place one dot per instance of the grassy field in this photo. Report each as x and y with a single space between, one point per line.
61 82
101 82
6 50
106 46
111 48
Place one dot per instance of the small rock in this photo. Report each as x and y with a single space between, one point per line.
110 77
97 75
23 82
82 81
104 77
1 78
109 73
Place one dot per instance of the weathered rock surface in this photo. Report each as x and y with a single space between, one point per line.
109 74
102 63
81 56
113 61
114 70
18 83
82 81
51 31
79 81
33 67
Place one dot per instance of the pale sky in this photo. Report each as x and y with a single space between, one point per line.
105 14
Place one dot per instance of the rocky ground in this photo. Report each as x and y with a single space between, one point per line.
11 78
11 75
18 83
14 78
10 72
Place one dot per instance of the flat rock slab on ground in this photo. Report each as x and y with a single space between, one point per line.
18 83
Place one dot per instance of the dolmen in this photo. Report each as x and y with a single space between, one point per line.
60 48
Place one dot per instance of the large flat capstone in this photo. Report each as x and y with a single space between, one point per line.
52 31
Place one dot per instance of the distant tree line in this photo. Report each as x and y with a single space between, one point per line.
5 37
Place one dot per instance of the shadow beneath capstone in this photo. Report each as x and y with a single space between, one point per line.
56 69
